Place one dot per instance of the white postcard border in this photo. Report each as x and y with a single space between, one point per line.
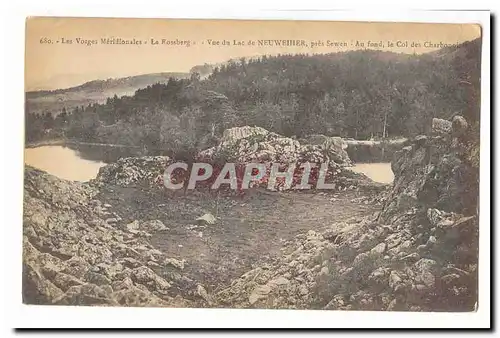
54 316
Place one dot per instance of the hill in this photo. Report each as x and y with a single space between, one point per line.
360 94
95 91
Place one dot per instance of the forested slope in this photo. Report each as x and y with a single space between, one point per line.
357 94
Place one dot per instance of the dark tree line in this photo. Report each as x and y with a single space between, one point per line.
358 94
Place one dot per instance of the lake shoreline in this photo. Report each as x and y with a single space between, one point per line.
57 142
57 157
359 151
64 142
62 162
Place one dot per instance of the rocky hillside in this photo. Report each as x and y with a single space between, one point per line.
75 254
419 254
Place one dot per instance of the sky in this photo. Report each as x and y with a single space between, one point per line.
53 62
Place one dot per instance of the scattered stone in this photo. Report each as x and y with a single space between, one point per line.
379 249
426 264
260 292
336 303
392 305
179 264
394 279
420 140
133 226
427 278
145 276
111 221
153 226
200 290
207 218
459 126
97 278
324 271
413 257
87 294
303 290
279 281
451 278
431 241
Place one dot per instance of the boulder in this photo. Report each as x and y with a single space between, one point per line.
259 293
179 264
207 219
459 126
133 171
202 292
147 277
153 226
441 127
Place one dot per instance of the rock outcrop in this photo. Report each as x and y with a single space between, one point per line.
255 144
440 126
244 145
129 171
434 172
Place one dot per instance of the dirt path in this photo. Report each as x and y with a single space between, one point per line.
249 229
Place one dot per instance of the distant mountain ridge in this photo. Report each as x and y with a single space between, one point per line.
143 79
95 91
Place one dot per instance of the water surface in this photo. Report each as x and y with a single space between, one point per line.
73 165
62 162
378 172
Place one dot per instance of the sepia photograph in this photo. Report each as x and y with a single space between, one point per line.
246 164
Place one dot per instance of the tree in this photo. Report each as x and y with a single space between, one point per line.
48 121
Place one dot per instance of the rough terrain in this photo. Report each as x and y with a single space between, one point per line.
419 254
123 240
83 244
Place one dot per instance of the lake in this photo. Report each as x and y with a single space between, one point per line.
378 172
74 165
62 162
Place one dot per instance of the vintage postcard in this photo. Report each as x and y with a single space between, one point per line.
251 164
